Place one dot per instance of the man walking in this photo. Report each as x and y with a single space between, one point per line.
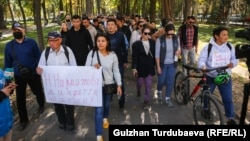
22 54
188 35
79 40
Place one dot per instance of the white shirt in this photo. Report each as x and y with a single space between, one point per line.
58 58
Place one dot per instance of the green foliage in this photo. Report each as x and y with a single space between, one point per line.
206 30
30 34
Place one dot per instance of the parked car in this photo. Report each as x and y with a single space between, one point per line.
236 18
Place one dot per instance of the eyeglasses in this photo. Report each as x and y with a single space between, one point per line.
146 33
170 34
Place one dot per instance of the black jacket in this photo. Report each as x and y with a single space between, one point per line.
80 42
142 62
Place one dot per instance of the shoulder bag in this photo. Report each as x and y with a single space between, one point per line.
108 88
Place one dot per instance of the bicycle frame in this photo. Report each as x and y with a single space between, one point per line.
198 85
206 108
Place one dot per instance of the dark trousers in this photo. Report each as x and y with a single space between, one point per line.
35 85
65 114
122 99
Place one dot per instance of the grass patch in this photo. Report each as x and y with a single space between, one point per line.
30 34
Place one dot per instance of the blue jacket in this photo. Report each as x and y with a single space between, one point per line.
27 54
6 118
118 45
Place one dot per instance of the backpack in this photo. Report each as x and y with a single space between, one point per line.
65 51
210 47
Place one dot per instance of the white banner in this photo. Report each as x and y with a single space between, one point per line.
73 85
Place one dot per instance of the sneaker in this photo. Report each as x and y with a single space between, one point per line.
169 103
105 123
155 94
231 122
99 138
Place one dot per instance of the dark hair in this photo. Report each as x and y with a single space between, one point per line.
76 17
120 18
191 17
164 22
144 28
95 20
85 18
138 23
111 20
218 30
108 48
169 27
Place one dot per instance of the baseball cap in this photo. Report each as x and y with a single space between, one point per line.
54 34
17 25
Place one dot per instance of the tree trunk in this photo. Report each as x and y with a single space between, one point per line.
134 6
34 15
11 11
152 11
39 24
23 14
144 8
127 11
70 7
187 8
89 7
167 9
46 21
98 6
61 5
2 24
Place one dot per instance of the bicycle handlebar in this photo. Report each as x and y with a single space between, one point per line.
203 70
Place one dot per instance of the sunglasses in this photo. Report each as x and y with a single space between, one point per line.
146 33
170 34
191 22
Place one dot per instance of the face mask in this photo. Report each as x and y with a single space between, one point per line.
18 35
67 20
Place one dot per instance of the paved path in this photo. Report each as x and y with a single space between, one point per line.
45 126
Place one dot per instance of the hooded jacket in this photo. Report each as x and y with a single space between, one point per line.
217 50
6 118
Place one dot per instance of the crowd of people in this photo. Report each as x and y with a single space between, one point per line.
154 51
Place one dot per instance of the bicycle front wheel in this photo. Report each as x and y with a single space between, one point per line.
206 110
181 88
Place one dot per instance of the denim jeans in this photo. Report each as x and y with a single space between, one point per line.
102 112
226 95
166 78
188 55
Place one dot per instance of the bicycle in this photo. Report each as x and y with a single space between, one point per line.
206 109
